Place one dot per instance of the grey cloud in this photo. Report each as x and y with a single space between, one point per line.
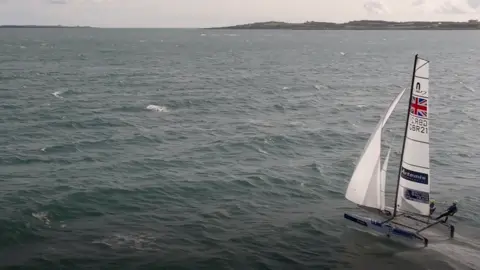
207 13
418 2
451 10
373 7
446 7
474 3
455 8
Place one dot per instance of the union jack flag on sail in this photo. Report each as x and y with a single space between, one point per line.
419 107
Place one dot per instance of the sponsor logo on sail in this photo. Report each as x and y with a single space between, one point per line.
414 176
416 195
419 90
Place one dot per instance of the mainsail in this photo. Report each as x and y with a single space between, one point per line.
413 187
364 187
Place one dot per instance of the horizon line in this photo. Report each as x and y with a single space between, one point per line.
206 27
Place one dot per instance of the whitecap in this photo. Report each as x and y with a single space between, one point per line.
157 108
467 87
132 241
43 216
262 151
57 94
260 123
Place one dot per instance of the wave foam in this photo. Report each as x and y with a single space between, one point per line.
157 108
132 241
42 216
57 94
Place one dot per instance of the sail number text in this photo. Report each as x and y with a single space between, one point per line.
418 125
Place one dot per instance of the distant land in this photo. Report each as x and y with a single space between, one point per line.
361 25
42 26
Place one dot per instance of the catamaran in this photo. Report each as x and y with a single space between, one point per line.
409 217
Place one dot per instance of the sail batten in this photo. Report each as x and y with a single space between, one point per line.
383 180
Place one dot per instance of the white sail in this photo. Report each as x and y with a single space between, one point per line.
383 180
392 107
364 186
414 183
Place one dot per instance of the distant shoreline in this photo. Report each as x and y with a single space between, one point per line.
359 25
312 25
42 26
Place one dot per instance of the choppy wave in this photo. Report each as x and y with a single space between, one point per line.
190 152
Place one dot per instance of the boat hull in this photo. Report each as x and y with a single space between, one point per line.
385 228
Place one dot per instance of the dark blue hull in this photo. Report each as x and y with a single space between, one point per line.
385 228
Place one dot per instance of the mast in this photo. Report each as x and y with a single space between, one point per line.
405 135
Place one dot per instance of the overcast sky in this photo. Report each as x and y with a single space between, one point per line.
204 13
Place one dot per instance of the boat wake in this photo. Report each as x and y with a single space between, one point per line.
459 252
